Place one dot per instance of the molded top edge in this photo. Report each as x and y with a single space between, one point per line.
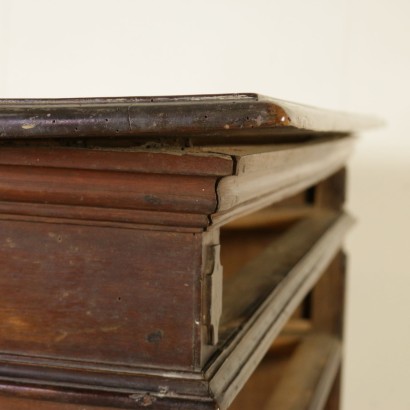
224 115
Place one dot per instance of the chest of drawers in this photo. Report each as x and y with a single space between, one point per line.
154 250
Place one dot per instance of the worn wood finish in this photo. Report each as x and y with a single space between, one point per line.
90 215
306 381
262 382
206 115
263 177
328 296
132 187
139 161
91 188
327 301
239 358
111 282
261 275
28 397
64 286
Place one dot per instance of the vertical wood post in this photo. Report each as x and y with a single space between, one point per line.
327 300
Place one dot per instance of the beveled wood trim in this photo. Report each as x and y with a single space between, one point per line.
66 374
108 189
237 360
79 215
44 182
137 187
172 162
266 175
45 397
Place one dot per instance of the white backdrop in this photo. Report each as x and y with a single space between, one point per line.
342 54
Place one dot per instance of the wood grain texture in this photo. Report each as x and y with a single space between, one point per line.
201 116
69 292
173 162
110 275
108 189
132 187
89 215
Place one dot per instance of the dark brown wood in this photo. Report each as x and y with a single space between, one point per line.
112 292
28 397
91 188
89 215
68 291
331 193
123 187
328 298
139 161
206 115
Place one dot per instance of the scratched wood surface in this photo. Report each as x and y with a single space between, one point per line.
86 293
207 115
29 397
110 211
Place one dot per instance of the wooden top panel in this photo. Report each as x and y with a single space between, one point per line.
224 115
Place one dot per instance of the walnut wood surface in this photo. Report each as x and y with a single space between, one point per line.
204 186
136 161
200 116
105 187
33 397
85 294
110 275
